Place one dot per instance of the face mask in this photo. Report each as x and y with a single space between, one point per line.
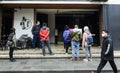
103 35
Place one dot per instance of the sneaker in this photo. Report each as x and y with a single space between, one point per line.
12 60
66 53
77 59
72 59
85 60
51 53
90 59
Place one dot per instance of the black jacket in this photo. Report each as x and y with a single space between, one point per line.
109 55
36 29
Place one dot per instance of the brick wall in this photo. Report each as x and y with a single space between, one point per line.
101 23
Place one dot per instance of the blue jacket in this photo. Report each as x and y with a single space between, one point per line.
66 36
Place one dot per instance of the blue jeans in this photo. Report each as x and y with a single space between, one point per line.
88 52
75 49
36 39
48 45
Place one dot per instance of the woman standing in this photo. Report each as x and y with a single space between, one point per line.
66 38
86 34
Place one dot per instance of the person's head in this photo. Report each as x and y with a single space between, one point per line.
66 27
104 33
44 24
86 28
76 26
37 22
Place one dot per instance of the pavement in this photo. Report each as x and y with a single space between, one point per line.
32 61
53 66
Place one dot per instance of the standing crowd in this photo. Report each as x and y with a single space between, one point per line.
71 37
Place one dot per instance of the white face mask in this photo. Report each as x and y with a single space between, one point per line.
103 35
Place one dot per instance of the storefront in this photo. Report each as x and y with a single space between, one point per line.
56 15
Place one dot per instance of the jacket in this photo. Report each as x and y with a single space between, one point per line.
44 34
107 49
35 30
76 35
66 36
84 40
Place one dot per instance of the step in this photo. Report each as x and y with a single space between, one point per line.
70 71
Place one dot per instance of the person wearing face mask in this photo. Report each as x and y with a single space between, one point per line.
107 54
36 38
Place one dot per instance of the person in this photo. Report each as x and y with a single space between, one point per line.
45 38
11 38
107 54
36 38
66 38
56 36
86 34
75 42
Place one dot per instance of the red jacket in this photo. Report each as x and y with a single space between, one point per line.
44 35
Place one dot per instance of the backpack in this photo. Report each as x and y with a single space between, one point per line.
89 40
66 36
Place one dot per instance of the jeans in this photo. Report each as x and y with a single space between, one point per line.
88 52
36 39
75 49
48 45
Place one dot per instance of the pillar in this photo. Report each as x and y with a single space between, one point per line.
51 25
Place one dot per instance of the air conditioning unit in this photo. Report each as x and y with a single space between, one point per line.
99 0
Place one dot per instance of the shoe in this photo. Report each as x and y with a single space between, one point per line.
90 59
12 60
51 53
66 53
72 59
43 54
77 59
85 60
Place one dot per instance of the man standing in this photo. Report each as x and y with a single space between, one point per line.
36 37
75 42
107 54
45 38
12 39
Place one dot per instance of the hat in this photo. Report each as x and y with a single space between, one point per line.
86 28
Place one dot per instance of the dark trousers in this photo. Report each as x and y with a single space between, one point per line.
36 39
67 49
56 40
103 63
11 53
47 43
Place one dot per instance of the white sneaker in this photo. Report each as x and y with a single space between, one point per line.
90 60
85 60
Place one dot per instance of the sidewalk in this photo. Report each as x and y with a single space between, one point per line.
53 66
59 52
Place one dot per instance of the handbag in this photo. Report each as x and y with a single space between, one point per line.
10 43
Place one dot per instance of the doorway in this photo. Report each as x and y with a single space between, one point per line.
7 22
81 18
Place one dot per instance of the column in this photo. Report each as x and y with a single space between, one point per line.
51 25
